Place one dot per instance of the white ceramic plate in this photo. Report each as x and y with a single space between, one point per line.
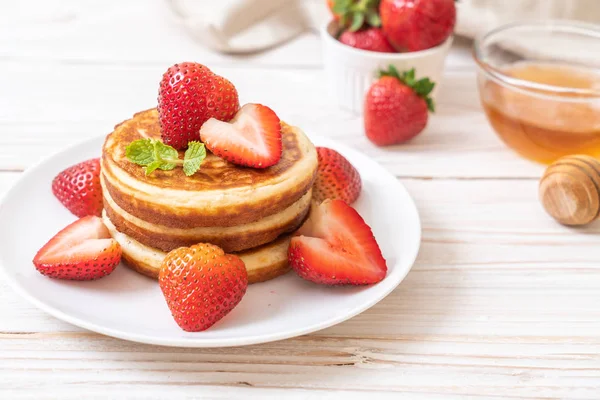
130 306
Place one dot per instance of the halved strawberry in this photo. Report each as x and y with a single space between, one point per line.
336 247
78 188
82 251
336 177
252 138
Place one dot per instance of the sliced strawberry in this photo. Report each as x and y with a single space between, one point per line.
252 138
336 177
82 251
336 247
78 188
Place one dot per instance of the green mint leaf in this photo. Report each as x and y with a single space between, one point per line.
166 166
140 152
153 154
152 167
193 158
358 19
167 155
373 19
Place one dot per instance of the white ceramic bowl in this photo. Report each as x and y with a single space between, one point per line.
350 72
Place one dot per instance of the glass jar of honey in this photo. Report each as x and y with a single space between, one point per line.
539 85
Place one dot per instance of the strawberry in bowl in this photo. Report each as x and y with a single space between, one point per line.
371 39
362 40
360 25
415 25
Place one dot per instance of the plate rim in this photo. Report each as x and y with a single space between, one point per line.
214 342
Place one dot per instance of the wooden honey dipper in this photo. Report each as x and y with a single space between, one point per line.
570 190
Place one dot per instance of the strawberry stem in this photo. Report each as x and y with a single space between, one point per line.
355 13
177 161
422 87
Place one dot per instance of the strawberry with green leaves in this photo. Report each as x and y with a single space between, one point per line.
153 154
361 25
354 14
397 107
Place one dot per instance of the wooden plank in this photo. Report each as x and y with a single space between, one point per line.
193 391
60 105
532 367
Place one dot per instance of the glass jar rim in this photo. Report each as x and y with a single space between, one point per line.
534 88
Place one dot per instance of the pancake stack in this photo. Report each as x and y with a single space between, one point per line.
247 212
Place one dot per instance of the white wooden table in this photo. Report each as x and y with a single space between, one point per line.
501 303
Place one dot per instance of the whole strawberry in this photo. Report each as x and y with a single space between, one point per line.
82 251
396 107
201 285
371 39
78 188
336 177
413 25
188 96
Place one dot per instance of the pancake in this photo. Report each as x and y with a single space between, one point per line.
262 263
230 239
220 194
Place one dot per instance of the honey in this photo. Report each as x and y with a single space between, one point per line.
544 125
